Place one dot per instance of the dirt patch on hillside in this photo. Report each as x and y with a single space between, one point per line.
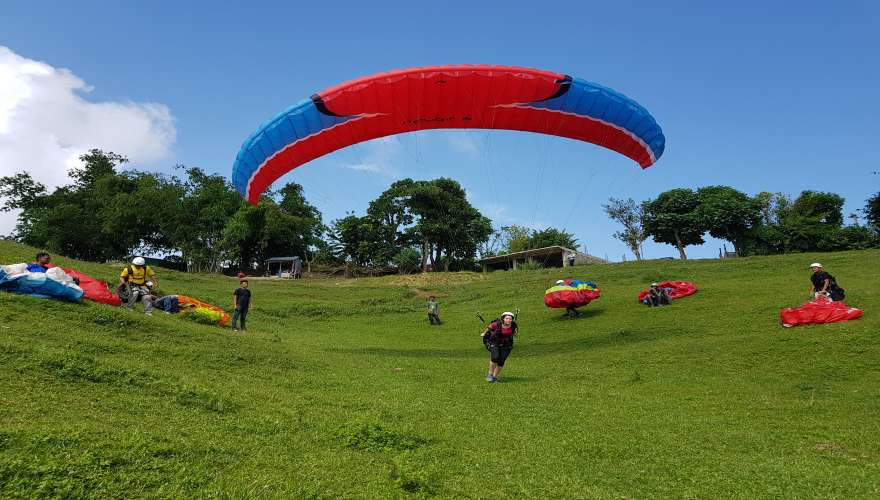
436 279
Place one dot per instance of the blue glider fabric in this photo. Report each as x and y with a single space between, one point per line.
39 285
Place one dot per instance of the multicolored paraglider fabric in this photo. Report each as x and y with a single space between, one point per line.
821 310
203 311
435 97
571 293
675 289
52 284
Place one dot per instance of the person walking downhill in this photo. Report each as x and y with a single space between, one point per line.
433 311
241 302
498 337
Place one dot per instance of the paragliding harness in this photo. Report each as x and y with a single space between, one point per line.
124 290
490 339
835 292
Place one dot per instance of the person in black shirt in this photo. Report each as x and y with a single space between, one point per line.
241 302
823 284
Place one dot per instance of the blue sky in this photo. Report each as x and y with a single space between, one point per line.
760 96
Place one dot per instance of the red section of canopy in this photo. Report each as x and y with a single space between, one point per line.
93 288
821 310
679 289
570 298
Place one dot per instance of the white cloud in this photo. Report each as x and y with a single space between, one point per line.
46 123
379 157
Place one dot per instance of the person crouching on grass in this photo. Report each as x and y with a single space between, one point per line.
241 302
498 337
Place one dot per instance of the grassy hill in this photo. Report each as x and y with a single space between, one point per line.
341 389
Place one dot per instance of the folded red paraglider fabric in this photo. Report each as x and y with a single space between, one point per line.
675 289
94 289
571 293
821 310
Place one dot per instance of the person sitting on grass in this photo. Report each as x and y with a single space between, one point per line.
498 337
433 311
823 284
241 302
657 296
136 282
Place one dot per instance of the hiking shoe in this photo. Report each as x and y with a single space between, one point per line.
490 378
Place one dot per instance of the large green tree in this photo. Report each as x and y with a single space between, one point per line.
104 214
729 214
517 238
673 218
872 211
206 205
628 214
551 236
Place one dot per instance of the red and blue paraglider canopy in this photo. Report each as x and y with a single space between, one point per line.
463 96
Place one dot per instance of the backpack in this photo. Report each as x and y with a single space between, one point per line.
489 338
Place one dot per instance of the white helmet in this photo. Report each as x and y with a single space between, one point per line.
815 264
507 313
138 261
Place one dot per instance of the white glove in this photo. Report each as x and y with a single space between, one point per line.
149 284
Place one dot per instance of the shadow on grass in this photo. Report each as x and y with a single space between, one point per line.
613 339
410 353
527 347
513 379
589 313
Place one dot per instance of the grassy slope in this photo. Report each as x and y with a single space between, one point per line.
341 389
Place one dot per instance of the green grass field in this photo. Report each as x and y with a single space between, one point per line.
341 389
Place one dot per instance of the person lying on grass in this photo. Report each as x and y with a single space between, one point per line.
498 337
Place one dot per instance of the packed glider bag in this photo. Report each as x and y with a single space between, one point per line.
821 310
675 289
52 284
571 293
216 314
445 97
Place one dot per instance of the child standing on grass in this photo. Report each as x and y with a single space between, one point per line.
433 311
241 301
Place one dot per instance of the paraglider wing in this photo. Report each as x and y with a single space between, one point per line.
17 279
464 96
821 310
94 289
203 309
571 293
675 289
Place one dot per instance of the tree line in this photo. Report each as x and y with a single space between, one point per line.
767 223
107 213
